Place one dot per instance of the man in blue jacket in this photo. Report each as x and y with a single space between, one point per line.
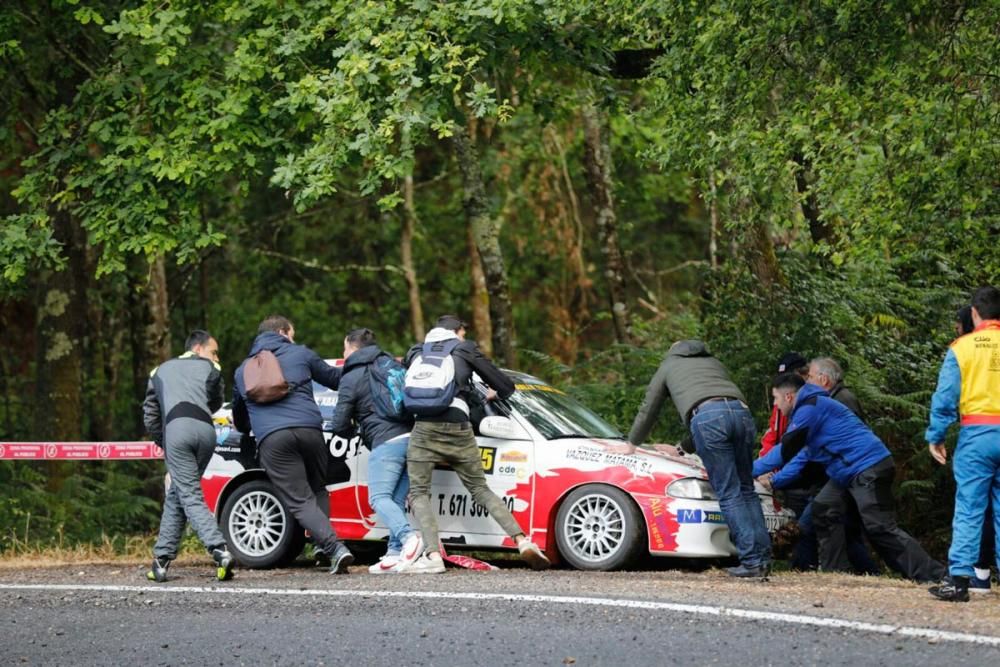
289 434
825 431
387 439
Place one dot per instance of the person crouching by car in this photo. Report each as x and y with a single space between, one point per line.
181 396
365 403
274 396
825 431
438 390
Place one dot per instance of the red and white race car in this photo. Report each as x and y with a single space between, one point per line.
577 488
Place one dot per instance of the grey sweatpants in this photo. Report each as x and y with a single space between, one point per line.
187 447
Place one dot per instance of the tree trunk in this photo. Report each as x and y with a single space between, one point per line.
58 410
158 303
406 257
713 211
597 163
818 229
479 297
486 231
758 250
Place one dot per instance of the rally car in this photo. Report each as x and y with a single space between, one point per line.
582 493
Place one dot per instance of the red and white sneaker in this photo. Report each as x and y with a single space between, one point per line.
386 564
427 564
412 548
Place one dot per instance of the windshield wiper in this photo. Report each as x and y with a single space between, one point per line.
562 436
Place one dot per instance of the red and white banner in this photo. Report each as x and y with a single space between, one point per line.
79 451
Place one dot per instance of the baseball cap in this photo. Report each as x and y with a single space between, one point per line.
790 362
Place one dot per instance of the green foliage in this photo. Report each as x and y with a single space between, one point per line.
90 503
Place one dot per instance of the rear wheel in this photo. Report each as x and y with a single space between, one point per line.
599 528
259 529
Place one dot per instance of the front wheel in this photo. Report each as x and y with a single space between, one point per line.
599 528
258 528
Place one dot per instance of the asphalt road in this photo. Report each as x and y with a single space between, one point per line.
106 615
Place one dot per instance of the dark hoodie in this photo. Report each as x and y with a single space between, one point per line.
689 375
300 366
355 405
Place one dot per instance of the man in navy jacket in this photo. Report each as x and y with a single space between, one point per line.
825 431
289 434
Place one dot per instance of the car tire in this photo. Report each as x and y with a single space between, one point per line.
258 528
599 527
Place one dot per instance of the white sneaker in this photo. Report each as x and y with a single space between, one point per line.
385 564
413 547
431 563
533 556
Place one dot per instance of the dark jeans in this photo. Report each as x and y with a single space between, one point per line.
871 490
806 555
295 460
724 437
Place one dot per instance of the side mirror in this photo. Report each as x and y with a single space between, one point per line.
504 428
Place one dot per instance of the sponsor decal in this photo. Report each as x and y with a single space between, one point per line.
699 516
636 464
538 387
514 457
460 504
509 470
488 457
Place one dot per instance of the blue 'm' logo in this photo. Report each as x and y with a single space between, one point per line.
689 516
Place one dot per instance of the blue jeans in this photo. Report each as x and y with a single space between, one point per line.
724 437
977 480
388 485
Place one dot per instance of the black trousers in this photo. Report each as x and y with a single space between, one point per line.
871 490
295 460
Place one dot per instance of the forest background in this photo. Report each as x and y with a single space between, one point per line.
585 181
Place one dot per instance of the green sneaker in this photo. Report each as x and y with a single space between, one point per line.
158 571
224 562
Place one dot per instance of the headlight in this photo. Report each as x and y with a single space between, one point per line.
691 488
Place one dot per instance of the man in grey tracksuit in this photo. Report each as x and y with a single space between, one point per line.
724 435
181 396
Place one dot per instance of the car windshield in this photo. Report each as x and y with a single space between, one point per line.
557 415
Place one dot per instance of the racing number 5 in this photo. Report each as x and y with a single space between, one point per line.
487 456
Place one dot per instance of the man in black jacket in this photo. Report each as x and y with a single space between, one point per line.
289 434
387 438
180 399
447 437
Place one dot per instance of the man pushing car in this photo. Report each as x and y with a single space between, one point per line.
714 409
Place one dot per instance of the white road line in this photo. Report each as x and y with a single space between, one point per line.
705 610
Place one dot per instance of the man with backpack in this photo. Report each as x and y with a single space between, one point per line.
274 396
371 396
438 391
180 399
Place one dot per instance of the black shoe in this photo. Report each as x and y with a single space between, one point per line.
340 559
756 572
158 571
952 589
224 562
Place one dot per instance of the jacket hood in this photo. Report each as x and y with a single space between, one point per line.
268 340
438 334
809 390
688 348
362 357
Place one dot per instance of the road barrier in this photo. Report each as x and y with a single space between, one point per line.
79 451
